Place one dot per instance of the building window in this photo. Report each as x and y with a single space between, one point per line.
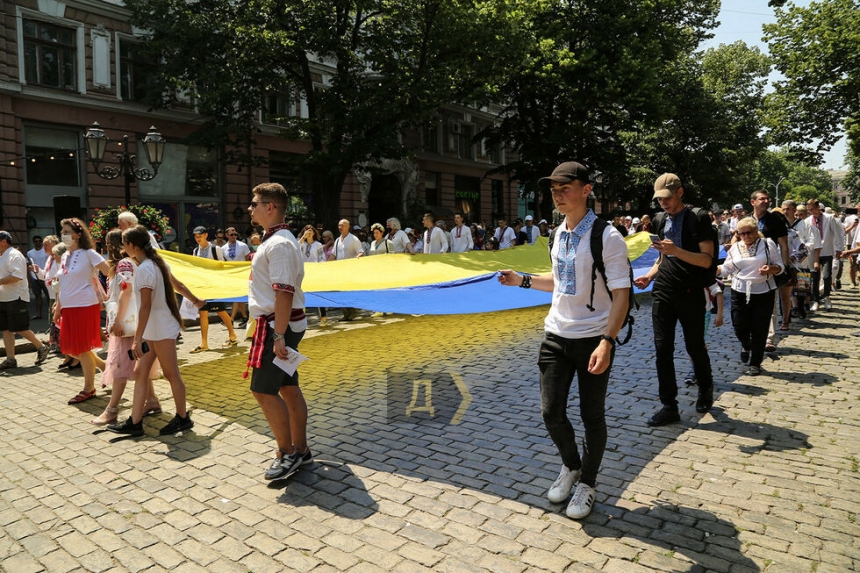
431 188
430 138
201 172
498 197
279 107
467 197
49 55
465 147
52 157
136 72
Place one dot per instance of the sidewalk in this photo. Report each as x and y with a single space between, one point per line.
768 481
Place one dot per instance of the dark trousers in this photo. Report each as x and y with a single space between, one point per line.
751 321
669 307
826 272
559 359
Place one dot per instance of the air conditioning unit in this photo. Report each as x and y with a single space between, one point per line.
456 127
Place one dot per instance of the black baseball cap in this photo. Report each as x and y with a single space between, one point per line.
567 172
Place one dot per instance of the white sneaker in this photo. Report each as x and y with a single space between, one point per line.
582 502
813 307
562 485
827 304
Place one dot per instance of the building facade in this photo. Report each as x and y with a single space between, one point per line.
68 64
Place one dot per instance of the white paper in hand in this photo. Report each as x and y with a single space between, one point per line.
188 311
294 358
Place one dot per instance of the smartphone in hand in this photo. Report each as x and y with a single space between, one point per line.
143 348
655 238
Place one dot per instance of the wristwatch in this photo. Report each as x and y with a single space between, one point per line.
609 338
278 337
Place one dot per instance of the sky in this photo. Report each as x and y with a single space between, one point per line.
743 20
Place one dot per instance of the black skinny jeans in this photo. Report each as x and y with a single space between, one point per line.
669 307
751 321
559 359
826 266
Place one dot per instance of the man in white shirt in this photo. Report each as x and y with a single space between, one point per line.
14 303
505 235
38 256
801 230
578 341
399 239
207 250
461 236
532 231
347 245
235 250
832 242
276 300
433 238
444 226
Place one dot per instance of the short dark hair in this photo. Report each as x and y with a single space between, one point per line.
431 215
273 192
759 192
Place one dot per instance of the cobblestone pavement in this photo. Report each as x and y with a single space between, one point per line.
768 481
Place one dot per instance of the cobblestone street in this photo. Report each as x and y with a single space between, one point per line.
768 481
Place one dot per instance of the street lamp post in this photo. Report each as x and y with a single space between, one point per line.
776 187
96 141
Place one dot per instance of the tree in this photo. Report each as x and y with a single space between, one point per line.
815 49
365 70
590 73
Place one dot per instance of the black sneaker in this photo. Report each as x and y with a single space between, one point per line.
42 354
691 380
705 399
307 458
753 371
666 415
128 428
177 424
8 364
745 356
284 465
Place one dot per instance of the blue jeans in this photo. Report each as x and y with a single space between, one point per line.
668 308
559 359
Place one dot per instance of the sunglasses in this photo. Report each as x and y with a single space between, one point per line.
254 204
745 233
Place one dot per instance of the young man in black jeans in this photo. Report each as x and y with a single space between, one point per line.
679 275
579 341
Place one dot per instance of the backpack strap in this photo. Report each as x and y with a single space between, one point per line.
597 255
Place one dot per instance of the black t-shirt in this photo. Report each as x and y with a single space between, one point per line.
773 225
675 274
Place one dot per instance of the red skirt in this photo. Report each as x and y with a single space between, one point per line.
80 330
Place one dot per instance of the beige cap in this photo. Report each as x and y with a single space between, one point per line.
665 185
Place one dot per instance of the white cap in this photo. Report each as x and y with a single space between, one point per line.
636 221
628 218
408 230
542 222
529 218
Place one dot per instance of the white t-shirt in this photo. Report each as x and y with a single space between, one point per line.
38 256
347 248
312 252
437 243
569 316
461 239
239 252
400 241
77 269
506 238
161 325
13 263
277 265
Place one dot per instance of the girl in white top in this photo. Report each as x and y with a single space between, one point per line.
310 246
78 302
158 325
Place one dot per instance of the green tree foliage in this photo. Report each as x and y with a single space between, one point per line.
364 69
815 48
591 72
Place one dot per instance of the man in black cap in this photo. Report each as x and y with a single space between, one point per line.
686 253
580 332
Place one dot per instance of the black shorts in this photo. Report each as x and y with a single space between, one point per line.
269 378
15 316
213 307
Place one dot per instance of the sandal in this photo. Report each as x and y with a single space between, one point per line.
230 343
784 326
200 349
83 396
102 421
151 410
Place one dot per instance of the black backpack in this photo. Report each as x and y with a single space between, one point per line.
599 267
710 274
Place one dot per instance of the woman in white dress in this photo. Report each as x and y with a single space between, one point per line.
158 325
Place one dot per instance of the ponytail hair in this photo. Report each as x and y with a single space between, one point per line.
139 237
113 242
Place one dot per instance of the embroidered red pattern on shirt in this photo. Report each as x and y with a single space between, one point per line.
285 288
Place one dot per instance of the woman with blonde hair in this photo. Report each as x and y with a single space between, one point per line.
753 260
79 300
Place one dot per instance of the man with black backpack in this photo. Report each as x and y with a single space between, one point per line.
686 241
581 328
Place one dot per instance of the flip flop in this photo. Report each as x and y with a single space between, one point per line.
230 343
200 349
83 396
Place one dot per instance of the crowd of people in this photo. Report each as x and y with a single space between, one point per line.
782 264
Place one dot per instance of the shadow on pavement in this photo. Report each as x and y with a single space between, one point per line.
328 485
772 438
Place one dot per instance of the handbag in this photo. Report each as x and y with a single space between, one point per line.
129 321
788 276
